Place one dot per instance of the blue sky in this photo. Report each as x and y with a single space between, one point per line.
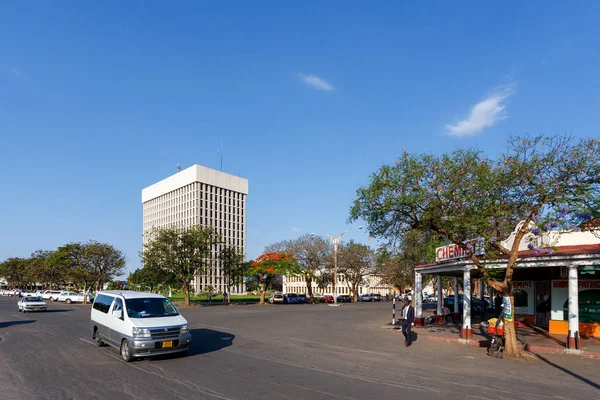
98 100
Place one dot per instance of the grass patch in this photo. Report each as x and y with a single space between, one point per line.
239 298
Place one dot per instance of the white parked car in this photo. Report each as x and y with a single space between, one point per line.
31 303
51 295
72 297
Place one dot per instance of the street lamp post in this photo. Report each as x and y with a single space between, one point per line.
336 242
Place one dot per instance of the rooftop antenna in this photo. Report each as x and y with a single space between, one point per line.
221 152
178 168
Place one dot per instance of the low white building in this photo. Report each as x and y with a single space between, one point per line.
371 284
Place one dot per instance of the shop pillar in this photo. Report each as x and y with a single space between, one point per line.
573 301
439 318
466 332
456 307
418 299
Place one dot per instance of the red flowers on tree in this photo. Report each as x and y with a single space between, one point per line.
269 265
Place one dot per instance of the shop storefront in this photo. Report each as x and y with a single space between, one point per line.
559 292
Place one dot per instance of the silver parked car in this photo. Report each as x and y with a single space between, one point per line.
31 303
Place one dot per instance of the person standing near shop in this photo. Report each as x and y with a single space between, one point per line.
498 304
408 321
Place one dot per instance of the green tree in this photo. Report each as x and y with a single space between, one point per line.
104 262
396 264
234 268
465 195
184 252
114 285
313 255
48 272
16 271
268 267
355 262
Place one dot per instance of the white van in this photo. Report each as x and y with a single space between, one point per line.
138 324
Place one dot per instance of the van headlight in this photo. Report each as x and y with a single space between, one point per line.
141 333
184 329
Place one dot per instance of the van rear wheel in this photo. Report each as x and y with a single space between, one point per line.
126 351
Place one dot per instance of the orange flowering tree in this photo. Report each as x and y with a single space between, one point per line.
268 266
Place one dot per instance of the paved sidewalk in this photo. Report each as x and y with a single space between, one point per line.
538 341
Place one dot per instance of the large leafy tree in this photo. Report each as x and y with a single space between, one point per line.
46 270
396 263
355 262
184 252
152 279
465 195
104 262
313 255
234 268
268 267
16 271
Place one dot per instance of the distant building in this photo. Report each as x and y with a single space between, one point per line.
371 284
205 197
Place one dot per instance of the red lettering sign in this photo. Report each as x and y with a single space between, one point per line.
582 284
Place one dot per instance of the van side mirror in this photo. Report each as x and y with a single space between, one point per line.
117 314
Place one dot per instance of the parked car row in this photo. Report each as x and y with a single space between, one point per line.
288 298
52 295
293 298
370 297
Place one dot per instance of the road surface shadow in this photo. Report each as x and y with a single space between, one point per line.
11 323
566 371
203 341
53 311
208 340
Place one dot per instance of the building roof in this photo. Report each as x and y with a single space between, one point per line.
195 173
584 249
130 294
564 251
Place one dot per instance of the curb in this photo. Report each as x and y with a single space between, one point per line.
529 348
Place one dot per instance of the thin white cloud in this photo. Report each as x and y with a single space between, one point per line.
12 70
484 114
296 230
317 83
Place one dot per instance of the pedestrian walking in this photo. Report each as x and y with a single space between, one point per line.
408 321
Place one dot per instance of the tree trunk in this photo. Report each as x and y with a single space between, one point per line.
85 296
186 291
309 289
511 348
262 297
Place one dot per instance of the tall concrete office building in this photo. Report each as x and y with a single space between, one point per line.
205 197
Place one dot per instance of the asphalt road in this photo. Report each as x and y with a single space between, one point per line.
272 352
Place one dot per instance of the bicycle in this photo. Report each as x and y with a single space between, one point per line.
496 348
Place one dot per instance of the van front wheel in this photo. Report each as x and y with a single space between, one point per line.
97 338
126 351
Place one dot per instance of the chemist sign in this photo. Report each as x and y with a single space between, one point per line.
455 252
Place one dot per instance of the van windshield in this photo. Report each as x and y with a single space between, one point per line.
152 307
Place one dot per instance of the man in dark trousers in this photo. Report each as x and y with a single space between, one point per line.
408 321
498 304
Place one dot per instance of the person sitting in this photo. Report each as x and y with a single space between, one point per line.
446 313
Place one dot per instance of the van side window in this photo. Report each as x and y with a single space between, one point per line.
118 304
103 303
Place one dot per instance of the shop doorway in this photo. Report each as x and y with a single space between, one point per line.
542 304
